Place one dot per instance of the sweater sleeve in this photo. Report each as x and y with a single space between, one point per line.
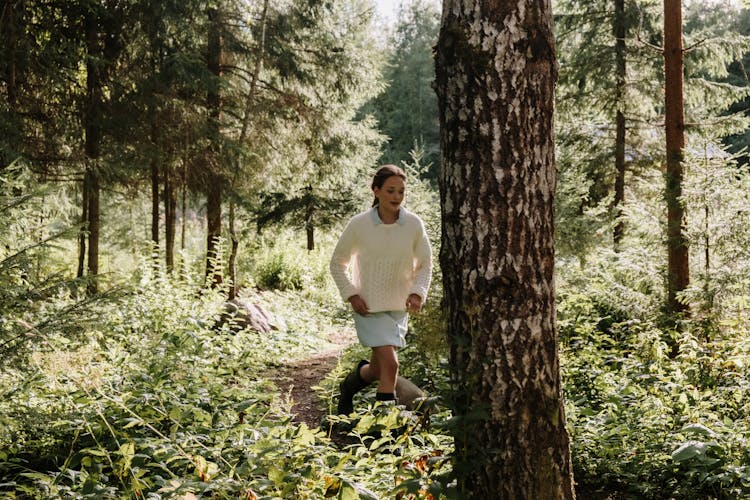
422 264
340 259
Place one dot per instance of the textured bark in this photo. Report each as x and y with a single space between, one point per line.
495 75
678 270
621 70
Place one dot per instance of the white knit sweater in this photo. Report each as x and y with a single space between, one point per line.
386 262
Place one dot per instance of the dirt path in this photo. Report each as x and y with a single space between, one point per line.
297 379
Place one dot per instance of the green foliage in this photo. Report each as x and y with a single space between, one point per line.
324 66
737 75
421 195
157 402
643 424
140 394
280 261
280 272
581 223
36 297
310 209
412 449
717 193
714 43
406 110
279 114
588 97
425 358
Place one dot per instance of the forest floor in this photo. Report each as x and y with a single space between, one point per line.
297 379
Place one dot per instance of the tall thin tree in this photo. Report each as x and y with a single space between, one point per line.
495 78
620 75
103 24
92 123
11 29
244 131
214 185
678 271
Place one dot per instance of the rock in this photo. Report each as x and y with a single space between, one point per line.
407 392
241 314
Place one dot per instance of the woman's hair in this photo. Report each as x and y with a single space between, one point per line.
383 174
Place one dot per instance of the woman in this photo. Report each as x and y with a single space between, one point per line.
389 261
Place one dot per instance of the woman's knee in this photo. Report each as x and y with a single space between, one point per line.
386 358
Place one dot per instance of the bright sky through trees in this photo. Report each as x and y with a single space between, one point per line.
388 9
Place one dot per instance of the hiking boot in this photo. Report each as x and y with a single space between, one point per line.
351 385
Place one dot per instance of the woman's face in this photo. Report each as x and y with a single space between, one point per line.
391 195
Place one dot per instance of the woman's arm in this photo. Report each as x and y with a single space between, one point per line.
422 265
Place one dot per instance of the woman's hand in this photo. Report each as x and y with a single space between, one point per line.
359 305
414 303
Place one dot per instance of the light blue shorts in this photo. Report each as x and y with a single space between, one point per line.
382 328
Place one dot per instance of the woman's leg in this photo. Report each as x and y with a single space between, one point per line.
383 367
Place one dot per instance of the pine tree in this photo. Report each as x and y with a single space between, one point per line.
322 59
608 104
274 108
678 269
407 109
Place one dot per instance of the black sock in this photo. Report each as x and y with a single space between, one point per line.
385 396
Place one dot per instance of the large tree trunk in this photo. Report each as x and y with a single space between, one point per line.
495 76
214 178
678 271
621 70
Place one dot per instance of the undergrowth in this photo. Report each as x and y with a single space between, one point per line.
141 392
644 424
158 402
